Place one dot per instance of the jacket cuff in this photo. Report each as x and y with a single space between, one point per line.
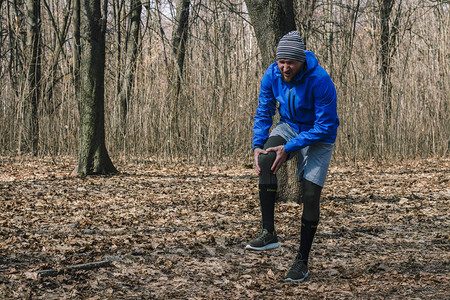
289 148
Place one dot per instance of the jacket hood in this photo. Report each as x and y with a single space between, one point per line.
311 61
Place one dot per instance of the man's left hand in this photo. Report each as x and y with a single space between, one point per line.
281 157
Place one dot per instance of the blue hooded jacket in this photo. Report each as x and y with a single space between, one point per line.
307 104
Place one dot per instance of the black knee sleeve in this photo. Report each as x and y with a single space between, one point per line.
266 161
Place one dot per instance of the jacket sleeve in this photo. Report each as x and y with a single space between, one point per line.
326 122
264 112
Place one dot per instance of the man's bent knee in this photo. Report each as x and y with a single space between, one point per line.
266 161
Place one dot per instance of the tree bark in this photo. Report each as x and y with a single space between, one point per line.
60 36
385 57
118 11
93 156
131 58
305 11
180 38
76 48
272 19
388 34
34 68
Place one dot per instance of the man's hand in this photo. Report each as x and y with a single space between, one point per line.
281 157
257 152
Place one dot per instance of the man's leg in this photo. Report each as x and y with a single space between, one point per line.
267 195
312 170
310 220
268 184
310 217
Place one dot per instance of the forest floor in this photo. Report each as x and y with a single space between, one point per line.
179 232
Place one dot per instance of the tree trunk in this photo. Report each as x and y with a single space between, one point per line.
76 48
131 58
118 10
60 36
385 57
272 19
93 156
34 67
305 14
180 38
388 34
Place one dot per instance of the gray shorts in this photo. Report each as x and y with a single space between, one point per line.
313 160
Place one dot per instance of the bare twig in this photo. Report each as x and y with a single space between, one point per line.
86 266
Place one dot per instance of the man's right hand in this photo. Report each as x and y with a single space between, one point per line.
257 152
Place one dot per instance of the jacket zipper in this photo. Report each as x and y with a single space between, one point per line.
293 105
293 102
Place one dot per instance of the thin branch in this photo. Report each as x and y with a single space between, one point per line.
86 266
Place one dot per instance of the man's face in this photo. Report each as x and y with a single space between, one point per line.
289 68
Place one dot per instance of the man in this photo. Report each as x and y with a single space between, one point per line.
308 126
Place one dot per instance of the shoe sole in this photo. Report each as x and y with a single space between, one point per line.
296 280
266 247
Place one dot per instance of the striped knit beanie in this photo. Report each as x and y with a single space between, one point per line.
291 46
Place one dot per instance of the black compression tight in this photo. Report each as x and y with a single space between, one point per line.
267 194
311 200
311 191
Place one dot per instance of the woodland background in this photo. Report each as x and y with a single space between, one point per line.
173 223
388 59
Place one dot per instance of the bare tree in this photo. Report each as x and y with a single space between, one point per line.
130 67
388 34
60 37
93 156
180 38
76 47
118 10
34 67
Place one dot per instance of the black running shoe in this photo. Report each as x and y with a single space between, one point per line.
298 271
264 241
